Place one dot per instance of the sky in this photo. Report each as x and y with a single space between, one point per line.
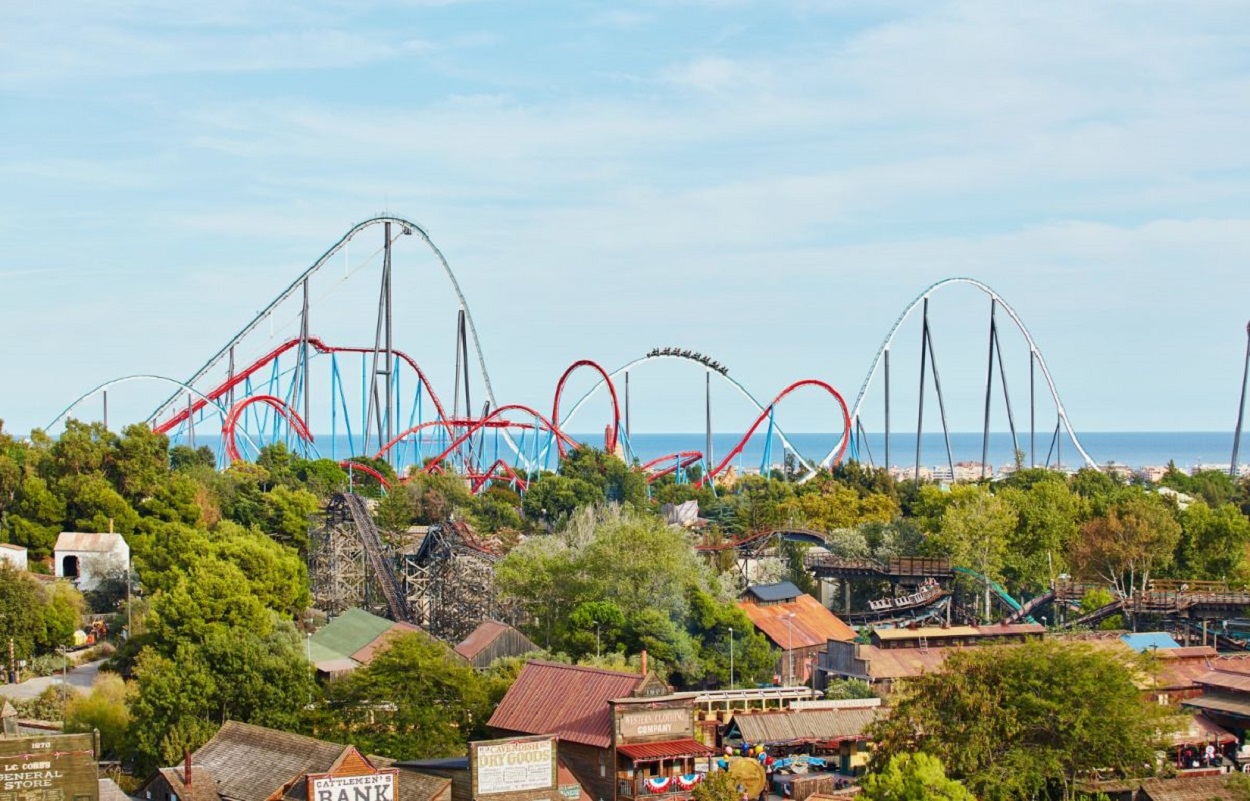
770 183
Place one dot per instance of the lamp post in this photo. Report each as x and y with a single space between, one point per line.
790 648
731 657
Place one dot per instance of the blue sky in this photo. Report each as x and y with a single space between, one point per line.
767 182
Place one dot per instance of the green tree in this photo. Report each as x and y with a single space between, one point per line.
913 777
21 610
1046 522
104 710
553 498
62 614
36 517
716 786
1213 542
287 514
1137 536
617 481
974 532
1019 721
172 707
416 699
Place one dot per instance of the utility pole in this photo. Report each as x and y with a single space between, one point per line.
731 657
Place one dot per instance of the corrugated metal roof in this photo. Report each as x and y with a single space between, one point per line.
813 624
804 725
781 591
87 541
668 749
1237 682
902 663
1145 640
1187 652
957 632
351 631
366 654
1185 788
568 701
1221 702
481 637
1201 729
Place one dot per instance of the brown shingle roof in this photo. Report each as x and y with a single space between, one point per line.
568 701
415 785
813 624
252 763
203 785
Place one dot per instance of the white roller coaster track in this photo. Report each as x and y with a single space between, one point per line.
1015 318
221 410
405 227
812 469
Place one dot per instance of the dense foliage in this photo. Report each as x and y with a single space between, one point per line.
219 589
1020 721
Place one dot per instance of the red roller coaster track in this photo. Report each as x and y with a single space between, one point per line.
227 428
247 372
610 444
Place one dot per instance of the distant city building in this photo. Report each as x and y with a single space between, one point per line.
1182 500
89 558
14 555
1153 473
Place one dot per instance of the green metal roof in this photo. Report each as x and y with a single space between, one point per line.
347 634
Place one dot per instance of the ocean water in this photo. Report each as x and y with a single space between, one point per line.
1136 449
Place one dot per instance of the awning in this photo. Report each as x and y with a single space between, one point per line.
1235 705
669 749
1199 729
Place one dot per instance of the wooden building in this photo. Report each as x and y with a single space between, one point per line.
833 731
494 640
796 624
622 735
512 769
893 655
251 763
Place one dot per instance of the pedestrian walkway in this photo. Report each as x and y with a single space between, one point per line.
79 679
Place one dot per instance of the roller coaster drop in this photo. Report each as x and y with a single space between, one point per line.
390 410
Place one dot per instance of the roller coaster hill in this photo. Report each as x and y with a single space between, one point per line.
305 372
320 370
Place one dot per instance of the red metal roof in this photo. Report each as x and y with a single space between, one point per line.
479 638
669 749
813 623
569 701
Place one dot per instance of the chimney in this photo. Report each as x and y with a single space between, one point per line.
644 661
186 771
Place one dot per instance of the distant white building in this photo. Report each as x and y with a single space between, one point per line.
88 558
14 555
